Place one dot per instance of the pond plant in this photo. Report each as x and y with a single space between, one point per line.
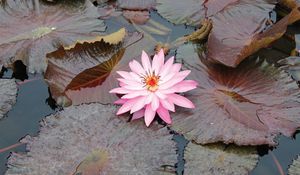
109 63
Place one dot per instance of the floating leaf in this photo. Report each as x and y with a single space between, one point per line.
190 12
86 73
137 16
248 105
295 167
68 137
8 93
219 159
242 29
28 33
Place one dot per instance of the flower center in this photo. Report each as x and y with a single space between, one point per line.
151 82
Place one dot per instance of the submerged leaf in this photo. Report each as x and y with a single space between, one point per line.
67 137
88 72
295 167
248 105
219 159
28 35
8 93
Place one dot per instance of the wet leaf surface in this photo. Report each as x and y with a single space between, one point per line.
240 27
190 12
86 73
219 159
68 138
295 167
249 105
28 33
8 93
253 30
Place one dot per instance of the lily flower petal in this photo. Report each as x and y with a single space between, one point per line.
149 115
164 114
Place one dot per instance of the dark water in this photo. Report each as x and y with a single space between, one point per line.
24 118
31 107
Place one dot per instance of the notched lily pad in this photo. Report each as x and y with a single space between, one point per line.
68 138
87 73
248 105
8 93
219 159
29 31
295 167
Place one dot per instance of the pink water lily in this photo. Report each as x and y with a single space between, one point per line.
151 88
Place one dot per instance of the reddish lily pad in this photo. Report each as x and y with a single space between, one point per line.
137 16
29 31
248 105
87 72
68 140
240 27
136 11
8 93
219 159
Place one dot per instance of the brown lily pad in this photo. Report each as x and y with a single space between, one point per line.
248 105
240 27
90 138
87 72
8 93
29 31
219 159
